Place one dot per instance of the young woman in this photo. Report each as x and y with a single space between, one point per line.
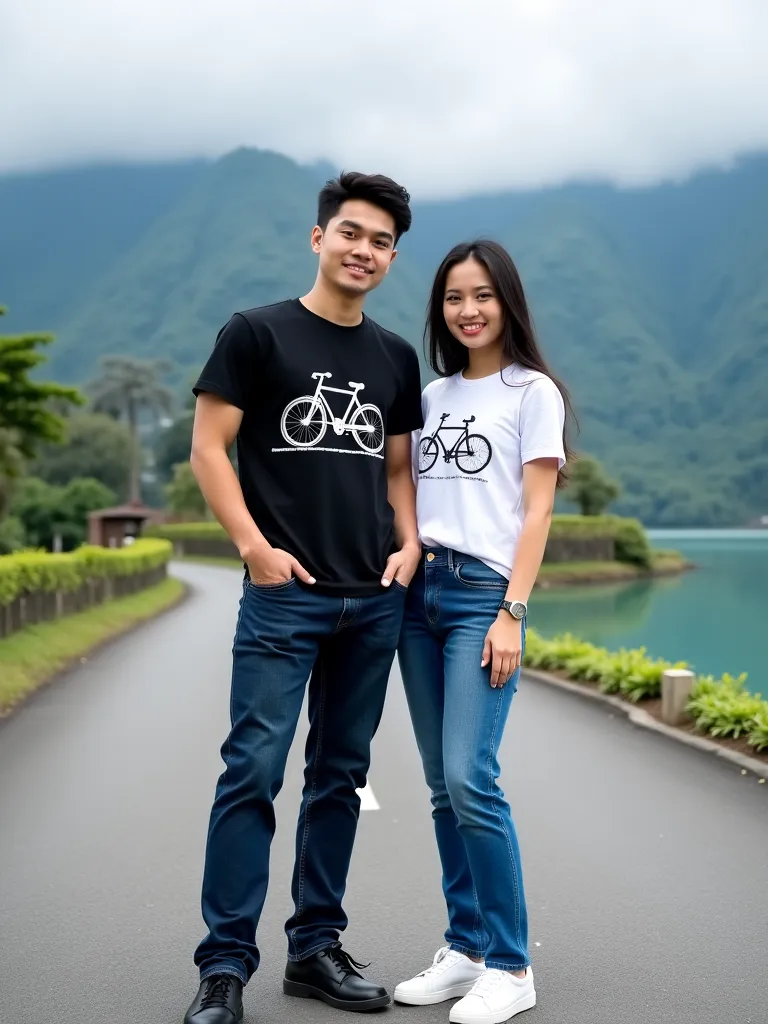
488 461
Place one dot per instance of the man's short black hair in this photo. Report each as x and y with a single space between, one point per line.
376 189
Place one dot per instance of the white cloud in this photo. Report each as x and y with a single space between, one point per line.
449 96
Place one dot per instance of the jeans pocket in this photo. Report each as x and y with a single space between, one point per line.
478 574
265 587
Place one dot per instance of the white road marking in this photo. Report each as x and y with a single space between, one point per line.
368 801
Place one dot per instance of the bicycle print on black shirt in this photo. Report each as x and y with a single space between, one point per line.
305 421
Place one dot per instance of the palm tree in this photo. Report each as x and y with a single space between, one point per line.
129 389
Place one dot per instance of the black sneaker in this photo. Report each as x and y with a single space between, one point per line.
332 976
218 1001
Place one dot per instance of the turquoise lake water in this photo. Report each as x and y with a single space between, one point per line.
715 617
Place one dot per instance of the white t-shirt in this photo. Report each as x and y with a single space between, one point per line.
469 477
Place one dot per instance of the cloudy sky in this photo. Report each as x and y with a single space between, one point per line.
449 96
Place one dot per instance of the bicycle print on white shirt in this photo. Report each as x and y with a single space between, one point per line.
305 421
469 470
470 451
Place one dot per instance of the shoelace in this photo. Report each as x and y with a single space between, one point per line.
444 958
488 981
343 960
217 993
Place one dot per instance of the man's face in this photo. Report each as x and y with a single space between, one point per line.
356 248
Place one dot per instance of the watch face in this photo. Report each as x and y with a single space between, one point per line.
518 609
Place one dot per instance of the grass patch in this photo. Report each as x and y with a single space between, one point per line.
669 561
32 656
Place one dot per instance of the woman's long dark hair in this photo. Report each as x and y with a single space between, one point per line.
448 356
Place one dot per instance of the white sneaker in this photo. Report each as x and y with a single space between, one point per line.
496 997
451 975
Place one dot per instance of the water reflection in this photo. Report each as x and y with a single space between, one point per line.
597 612
713 617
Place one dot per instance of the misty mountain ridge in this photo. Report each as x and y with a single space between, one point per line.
651 304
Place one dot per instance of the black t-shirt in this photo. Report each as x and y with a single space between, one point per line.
311 458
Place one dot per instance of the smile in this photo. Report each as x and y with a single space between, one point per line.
472 328
357 268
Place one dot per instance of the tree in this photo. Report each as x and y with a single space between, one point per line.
11 463
95 445
130 389
590 488
184 497
29 412
174 444
25 405
45 511
11 535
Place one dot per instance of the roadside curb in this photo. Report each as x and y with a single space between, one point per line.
642 719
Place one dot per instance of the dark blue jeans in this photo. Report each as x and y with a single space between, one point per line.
459 722
286 634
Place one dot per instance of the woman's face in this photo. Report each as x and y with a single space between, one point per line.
471 307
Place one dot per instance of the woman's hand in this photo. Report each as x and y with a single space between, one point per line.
504 648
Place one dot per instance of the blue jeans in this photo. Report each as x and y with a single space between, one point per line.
285 634
459 721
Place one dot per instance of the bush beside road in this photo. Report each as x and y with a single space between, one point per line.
722 709
37 586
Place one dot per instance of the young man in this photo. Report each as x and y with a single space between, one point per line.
322 402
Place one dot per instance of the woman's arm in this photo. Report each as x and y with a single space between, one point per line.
539 482
503 644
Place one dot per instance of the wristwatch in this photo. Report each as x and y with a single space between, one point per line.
517 609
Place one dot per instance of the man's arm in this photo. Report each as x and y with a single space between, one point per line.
401 493
215 429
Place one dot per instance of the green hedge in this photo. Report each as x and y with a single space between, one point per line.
29 571
720 707
629 537
187 531
631 543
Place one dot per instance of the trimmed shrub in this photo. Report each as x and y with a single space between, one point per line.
30 571
572 525
631 542
187 531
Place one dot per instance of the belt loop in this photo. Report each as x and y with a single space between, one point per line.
450 559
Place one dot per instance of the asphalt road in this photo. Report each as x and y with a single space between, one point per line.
646 863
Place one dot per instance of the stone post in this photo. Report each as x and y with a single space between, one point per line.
676 686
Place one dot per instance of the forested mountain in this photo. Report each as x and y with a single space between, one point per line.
652 304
